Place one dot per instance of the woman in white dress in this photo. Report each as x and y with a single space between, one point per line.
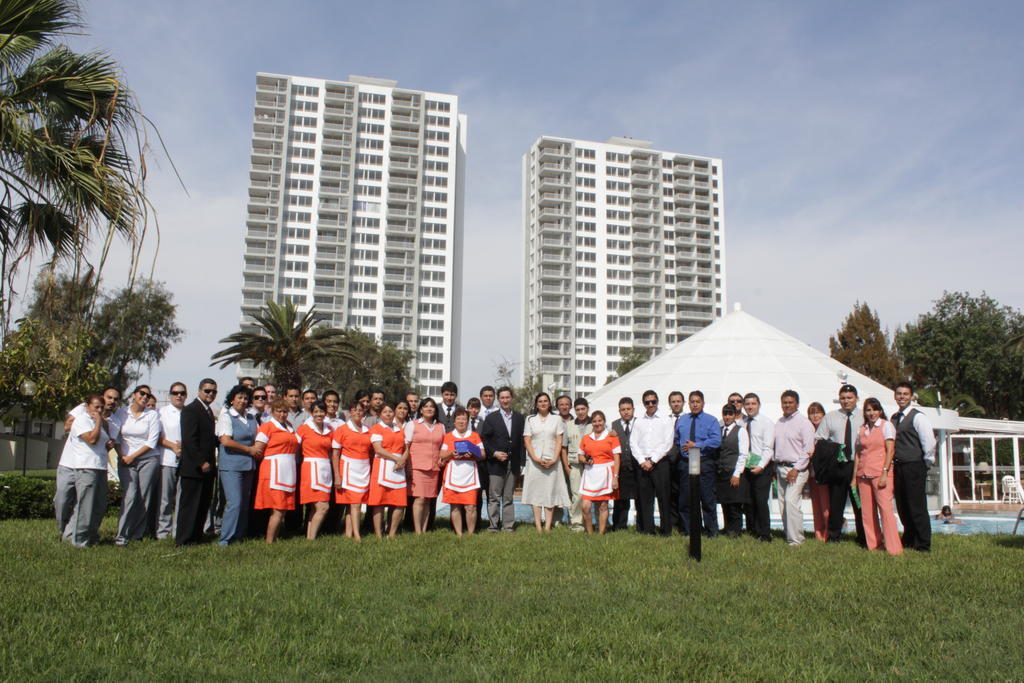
543 482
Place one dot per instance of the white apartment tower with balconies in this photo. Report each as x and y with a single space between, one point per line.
624 247
356 207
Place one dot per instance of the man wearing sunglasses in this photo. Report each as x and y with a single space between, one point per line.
650 443
197 465
170 452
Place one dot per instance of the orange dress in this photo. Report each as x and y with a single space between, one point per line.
316 482
276 487
356 454
461 475
387 485
597 478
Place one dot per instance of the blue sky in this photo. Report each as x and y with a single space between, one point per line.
871 150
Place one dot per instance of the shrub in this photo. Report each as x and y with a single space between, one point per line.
26 497
32 498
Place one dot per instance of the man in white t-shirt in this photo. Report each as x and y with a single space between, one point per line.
81 475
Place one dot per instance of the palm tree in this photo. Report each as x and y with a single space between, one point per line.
287 342
70 132
963 404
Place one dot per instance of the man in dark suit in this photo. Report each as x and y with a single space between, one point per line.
502 434
197 466
448 405
676 401
623 428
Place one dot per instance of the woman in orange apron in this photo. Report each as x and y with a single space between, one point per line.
461 450
600 451
423 437
387 478
276 447
316 482
351 455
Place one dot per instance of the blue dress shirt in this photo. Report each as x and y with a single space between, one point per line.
707 435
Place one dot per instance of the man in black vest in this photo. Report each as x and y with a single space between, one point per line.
502 434
915 451
623 428
197 466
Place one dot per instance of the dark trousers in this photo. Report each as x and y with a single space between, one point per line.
837 495
193 505
708 497
912 504
673 495
733 515
627 491
651 486
758 519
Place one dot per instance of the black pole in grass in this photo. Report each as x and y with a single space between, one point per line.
695 503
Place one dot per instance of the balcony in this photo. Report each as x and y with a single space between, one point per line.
644 163
549 170
553 153
554 183
394 163
552 198
402 181
405 118
401 213
553 213
404 134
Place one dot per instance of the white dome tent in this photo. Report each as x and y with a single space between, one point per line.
743 354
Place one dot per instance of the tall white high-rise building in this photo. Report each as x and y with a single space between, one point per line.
624 249
356 207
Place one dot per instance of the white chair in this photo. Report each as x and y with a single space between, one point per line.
1011 490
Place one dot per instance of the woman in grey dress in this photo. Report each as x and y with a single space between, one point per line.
543 480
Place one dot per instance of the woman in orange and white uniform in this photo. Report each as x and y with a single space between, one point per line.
316 482
600 483
351 457
387 478
461 474
276 448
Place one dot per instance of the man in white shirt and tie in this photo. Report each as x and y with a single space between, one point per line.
758 467
446 409
841 427
650 442
487 401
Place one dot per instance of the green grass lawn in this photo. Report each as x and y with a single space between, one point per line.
516 606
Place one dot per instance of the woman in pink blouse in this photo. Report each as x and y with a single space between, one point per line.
873 450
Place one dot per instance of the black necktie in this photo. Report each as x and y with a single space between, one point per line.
210 413
897 418
693 427
625 426
848 437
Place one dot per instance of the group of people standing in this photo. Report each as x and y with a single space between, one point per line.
266 458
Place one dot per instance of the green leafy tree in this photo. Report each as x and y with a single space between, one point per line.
134 328
861 344
129 329
72 145
384 367
630 359
960 348
285 343
56 362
